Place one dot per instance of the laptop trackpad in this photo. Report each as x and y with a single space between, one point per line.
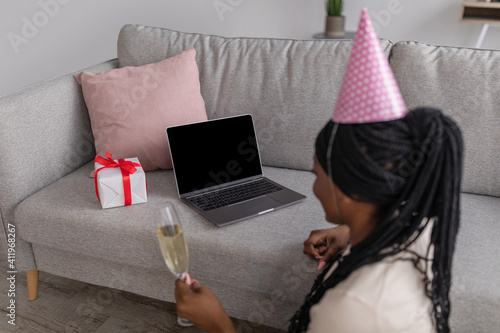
255 206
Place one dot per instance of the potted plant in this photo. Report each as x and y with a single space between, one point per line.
335 21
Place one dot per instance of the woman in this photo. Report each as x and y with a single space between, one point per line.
394 189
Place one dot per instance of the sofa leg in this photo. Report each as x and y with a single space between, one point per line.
32 284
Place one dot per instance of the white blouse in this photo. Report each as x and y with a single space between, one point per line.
388 296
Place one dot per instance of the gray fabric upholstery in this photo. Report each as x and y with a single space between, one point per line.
123 242
475 292
289 86
262 255
44 134
464 84
128 233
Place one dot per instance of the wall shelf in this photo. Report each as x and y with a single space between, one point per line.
485 13
481 12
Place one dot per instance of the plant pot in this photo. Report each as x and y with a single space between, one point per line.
335 26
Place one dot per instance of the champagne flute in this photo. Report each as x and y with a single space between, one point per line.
173 246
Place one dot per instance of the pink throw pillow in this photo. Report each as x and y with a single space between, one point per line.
131 107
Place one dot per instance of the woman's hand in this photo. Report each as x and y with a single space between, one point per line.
325 244
202 308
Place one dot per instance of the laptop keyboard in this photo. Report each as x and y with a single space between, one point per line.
225 197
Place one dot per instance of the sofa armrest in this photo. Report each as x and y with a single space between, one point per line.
44 134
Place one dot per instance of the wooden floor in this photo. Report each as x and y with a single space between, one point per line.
65 305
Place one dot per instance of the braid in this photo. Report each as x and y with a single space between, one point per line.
413 169
444 233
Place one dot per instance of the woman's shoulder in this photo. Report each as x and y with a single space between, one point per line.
388 296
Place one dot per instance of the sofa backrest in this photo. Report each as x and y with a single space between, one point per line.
289 86
465 84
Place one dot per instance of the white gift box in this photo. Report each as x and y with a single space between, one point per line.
110 187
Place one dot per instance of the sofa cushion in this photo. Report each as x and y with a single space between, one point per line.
67 216
131 107
464 84
475 291
262 255
289 86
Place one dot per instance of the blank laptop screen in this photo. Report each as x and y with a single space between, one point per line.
214 152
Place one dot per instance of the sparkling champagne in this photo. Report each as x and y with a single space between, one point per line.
174 249
173 245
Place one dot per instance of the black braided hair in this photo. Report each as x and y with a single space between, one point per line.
411 168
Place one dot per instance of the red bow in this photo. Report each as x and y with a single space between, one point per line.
127 169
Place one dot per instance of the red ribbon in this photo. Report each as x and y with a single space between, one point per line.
127 169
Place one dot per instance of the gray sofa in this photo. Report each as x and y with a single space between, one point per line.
255 267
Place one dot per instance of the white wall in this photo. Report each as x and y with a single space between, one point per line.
79 33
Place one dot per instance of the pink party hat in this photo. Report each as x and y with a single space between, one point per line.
369 92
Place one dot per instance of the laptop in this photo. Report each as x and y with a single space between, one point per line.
218 171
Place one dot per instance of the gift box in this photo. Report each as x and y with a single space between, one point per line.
119 183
